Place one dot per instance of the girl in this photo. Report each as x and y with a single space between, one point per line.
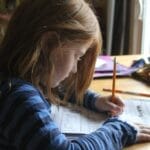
48 56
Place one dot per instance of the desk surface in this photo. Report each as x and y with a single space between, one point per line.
124 83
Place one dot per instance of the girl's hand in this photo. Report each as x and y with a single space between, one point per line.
143 132
105 104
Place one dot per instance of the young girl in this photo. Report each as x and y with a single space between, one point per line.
48 56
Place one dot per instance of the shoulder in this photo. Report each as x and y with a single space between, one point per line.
17 87
17 92
20 101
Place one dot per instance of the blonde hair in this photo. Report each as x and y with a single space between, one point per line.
36 28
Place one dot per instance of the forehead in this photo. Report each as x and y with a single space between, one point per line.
77 47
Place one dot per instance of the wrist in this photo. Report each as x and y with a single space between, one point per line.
97 103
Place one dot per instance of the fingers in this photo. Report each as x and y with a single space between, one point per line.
143 133
105 104
119 101
144 129
116 108
143 137
115 113
113 108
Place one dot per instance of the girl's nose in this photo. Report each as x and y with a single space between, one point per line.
74 69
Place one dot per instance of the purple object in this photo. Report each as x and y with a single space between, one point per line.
106 70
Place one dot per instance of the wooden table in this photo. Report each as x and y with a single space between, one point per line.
124 83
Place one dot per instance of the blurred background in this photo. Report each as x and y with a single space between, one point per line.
124 24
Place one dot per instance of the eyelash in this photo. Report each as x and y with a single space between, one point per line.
79 59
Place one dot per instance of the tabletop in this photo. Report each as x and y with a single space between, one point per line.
124 83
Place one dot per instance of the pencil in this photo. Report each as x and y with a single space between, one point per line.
128 92
114 80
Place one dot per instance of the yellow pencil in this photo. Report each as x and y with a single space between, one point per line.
114 80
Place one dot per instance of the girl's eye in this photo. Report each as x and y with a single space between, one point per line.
79 59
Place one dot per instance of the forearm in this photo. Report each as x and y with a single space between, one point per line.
114 135
89 100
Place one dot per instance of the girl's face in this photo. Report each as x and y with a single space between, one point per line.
66 60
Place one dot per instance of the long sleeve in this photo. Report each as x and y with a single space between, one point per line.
25 124
88 99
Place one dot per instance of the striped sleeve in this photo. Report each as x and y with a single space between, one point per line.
26 123
90 99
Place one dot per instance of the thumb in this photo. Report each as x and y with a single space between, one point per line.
113 107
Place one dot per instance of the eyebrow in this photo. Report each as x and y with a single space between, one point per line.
81 53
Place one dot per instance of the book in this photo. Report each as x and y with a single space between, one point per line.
75 121
104 68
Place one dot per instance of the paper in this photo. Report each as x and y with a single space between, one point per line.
137 111
78 120
107 65
100 63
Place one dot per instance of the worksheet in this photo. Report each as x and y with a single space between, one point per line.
73 119
137 111
77 120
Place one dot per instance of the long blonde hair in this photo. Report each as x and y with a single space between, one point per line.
36 28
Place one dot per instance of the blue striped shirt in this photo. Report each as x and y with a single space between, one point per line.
25 123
